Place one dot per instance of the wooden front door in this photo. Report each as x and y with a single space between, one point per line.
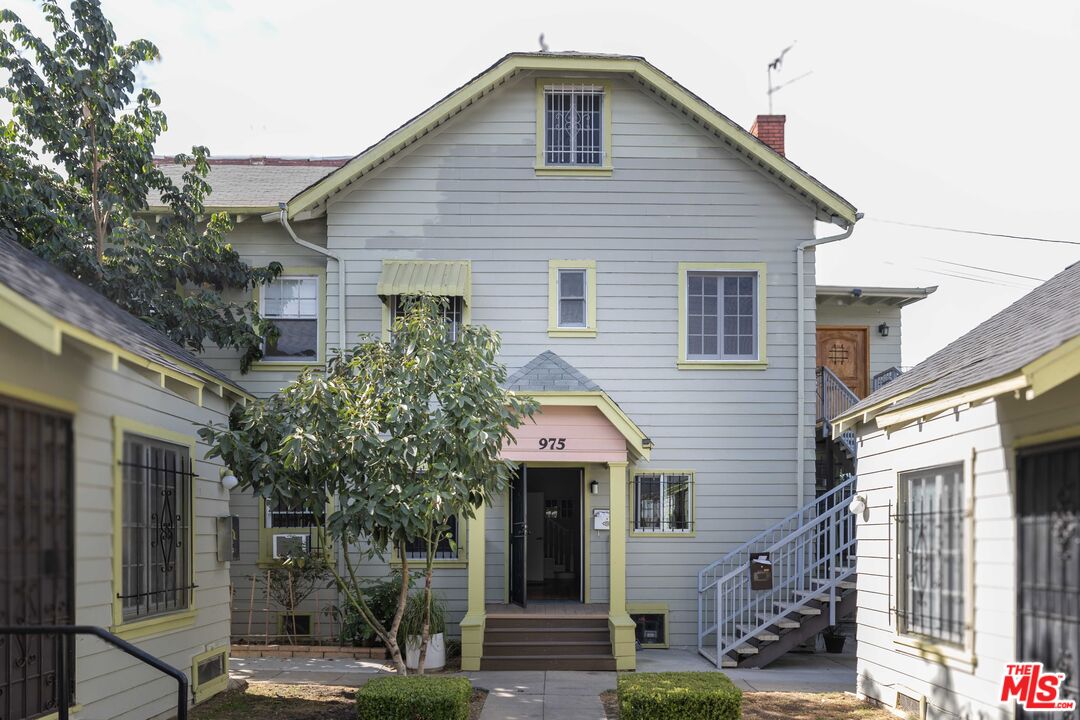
37 564
846 351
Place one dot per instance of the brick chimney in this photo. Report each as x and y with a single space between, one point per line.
769 129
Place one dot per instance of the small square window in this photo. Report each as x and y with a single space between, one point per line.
650 628
663 503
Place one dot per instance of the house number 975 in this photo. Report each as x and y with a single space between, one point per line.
552 443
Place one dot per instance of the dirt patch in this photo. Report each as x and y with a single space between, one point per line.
271 701
786 706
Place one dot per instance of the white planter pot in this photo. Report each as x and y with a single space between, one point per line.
436 652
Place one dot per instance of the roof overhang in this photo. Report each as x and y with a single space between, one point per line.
638 444
443 278
888 296
830 207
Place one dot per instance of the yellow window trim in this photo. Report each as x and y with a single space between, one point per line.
761 362
299 271
210 688
461 561
158 624
542 168
630 509
266 536
651 608
38 398
1044 438
554 330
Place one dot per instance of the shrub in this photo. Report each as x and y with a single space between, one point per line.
679 696
382 597
416 697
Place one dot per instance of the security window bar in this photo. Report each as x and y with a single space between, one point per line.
292 303
573 125
282 514
452 312
932 553
721 316
572 298
157 576
417 549
663 503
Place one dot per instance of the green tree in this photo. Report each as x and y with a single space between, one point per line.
76 170
401 434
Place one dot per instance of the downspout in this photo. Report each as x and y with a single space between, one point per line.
800 323
283 217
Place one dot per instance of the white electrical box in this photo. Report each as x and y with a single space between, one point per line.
601 519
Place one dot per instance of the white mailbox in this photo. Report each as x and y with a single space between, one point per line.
601 519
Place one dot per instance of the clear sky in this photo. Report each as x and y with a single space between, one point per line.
960 113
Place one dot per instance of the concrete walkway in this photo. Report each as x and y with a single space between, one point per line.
794 672
543 694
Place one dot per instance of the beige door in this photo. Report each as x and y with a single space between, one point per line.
845 351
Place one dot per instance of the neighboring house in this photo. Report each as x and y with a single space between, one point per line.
644 260
969 544
108 510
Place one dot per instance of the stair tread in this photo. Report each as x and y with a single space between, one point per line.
782 622
800 609
744 649
764 635
547 643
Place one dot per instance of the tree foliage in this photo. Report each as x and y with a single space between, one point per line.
402 434
77 169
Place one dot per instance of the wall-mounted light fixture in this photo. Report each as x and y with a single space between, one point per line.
883 329
594 487
646 442
857 505
228 479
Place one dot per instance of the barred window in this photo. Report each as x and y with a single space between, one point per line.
293 304
573 125
283 514
932 551
417 549
452 311
663 502
721 316
156 573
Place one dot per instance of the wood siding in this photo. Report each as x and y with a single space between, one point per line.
884 351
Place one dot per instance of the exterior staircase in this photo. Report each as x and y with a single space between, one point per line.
833 398
812 557
547 643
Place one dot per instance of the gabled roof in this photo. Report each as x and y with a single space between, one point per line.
1032 346
830 206
855 295
549 372
45 305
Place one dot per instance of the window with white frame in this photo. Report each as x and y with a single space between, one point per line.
574 125
721 315
932 553
453 310
292 303
156 572
573 297
663 502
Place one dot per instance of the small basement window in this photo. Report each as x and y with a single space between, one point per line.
298 625
210 668
650 628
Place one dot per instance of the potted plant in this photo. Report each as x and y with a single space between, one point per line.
412 625
834 639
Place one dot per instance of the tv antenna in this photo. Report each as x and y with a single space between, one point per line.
777 64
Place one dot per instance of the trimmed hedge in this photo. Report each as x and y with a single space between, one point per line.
415 697
678 696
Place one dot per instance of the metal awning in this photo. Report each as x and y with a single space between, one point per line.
443 278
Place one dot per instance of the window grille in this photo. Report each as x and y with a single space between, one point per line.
452 312
650 628
572 298
663 502
283 514
157 574
721 316
293 304
573 125
930 521
417 549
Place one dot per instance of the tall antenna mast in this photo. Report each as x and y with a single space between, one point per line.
777 64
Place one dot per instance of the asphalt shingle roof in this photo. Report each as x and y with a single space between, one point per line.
1032 326
548 371
254 182
67 299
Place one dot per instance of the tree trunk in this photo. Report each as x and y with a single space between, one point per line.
425 635
392 634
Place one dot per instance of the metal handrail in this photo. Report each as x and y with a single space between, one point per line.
63 687
834 398
885 377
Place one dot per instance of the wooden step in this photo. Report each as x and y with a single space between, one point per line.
728 662
780 622
549 662
546 648
800 610
814 595
543 635
744 649
527 622
847 584
764 635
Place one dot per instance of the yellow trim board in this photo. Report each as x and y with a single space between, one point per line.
1054 368
1045 438
29 395
542 168
831 205
300 271
554 329
935 406
158 624
760 269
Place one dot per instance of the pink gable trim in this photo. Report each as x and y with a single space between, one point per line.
587 436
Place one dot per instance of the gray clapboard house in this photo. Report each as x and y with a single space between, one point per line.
649 265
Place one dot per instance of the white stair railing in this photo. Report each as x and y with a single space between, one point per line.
833 398
811 552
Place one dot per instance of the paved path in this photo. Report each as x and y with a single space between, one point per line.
543 694
794 672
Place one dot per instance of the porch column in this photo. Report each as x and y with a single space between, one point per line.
472 625
619 622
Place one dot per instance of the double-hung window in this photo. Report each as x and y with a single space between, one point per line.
572 298
572 301
156 572
292 303
721 314
574 120
445 549
453 312
663 502
931 602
